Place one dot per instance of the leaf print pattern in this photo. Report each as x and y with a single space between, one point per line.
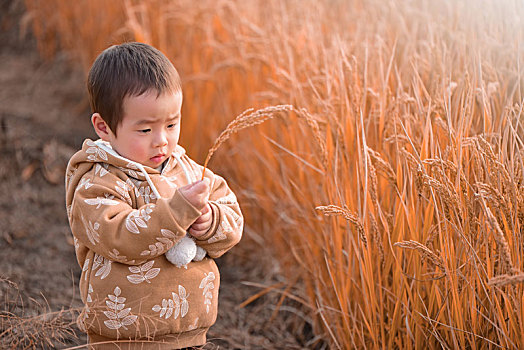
70 173
118 316
138 218
129 170
85 268
164 243
239 221
193 326
132 173
175 306
123 189
115 256
131 166
101 170
184 305
136 184
99 201
89 291
88 300
131 184
207 284
85 313
91 229
223 229
143 273
94 152
147 194
229 199
103 265
86 183
171 181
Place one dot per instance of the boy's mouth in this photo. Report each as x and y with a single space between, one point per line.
158 158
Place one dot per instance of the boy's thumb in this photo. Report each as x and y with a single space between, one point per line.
197 185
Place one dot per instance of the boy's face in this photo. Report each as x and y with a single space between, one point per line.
150 128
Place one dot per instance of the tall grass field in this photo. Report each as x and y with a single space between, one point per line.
391 186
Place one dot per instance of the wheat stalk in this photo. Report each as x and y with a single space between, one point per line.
449 197
423 250
377 239
499 201
432 233
333 210
373 188
503 280
250 117
501 242
383 166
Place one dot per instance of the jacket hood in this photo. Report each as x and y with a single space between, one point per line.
99 154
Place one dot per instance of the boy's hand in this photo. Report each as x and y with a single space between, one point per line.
203 223
197 194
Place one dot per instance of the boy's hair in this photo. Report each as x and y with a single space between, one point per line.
128 69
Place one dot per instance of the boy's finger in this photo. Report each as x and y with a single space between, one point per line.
206 209
201 186
204 217
196 233
200 227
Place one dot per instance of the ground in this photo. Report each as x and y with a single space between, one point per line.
44 117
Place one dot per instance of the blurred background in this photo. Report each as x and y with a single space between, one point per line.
391 216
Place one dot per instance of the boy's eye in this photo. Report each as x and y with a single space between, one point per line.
170 126
144 131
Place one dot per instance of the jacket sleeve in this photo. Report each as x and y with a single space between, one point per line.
228 222
103 219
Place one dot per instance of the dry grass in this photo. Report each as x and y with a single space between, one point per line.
419 108
32 330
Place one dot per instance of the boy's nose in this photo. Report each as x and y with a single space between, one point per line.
160 140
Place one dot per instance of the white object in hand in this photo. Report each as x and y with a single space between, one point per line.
184 251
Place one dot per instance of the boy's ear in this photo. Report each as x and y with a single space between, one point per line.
101 127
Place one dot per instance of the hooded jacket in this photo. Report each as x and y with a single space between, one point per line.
124 216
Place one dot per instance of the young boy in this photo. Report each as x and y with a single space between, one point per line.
131 196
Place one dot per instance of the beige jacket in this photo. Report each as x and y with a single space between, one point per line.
124 216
